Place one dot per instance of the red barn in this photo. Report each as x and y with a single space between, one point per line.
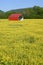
15 17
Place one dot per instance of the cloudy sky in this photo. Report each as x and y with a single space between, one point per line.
6 5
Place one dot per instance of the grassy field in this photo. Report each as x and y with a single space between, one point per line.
21 42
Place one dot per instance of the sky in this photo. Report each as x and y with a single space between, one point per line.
6 5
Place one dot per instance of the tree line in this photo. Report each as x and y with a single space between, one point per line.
35 12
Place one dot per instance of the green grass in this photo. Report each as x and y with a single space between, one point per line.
21 42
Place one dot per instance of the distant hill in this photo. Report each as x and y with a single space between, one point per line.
31 13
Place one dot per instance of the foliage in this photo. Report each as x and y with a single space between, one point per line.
35 12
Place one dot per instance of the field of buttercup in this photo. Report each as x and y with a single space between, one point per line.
21 42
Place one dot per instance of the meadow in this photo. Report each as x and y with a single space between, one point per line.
21 42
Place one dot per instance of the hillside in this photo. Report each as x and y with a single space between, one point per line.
35 12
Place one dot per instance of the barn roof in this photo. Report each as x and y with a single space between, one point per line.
16 15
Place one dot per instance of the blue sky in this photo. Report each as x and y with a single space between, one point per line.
6 5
